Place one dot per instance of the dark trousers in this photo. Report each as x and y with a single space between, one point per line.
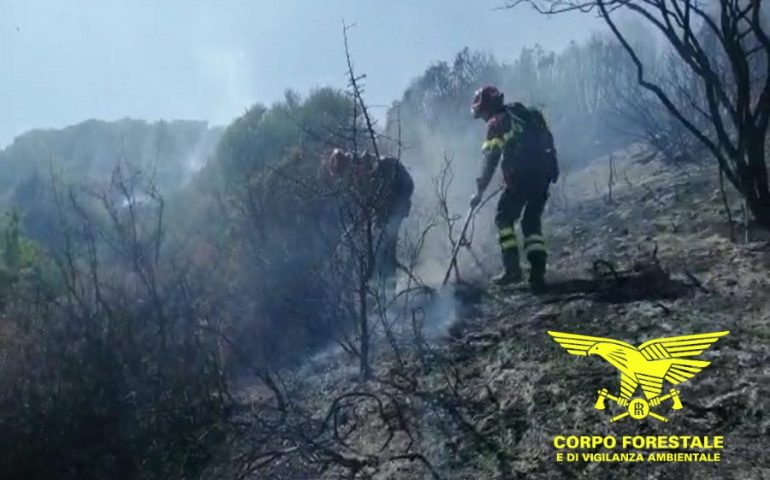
529 198
388 224
387 260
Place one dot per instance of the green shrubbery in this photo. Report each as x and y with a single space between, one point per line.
106 370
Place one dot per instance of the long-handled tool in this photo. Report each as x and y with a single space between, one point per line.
458 244
462 242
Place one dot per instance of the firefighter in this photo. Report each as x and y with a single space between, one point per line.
383 187
518 136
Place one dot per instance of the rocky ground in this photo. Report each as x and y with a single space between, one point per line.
486 398
673 218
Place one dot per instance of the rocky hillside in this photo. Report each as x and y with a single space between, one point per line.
657 261
486 398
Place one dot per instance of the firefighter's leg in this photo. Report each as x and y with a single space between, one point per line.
388 261
508 210
534 242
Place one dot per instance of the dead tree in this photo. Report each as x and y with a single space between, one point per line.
726 44
363 220
362 234
726 204
637 114
441 184
610 178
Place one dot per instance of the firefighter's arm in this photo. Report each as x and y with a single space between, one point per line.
555 174
493 149
491 160
550 153
406 189
550 150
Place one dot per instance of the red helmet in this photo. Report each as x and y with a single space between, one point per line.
486 100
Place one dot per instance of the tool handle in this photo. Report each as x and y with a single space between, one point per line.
658 417
665 397
613 398
467 222
672 394
457 245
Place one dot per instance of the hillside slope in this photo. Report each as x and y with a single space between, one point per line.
705 283
169 153
486 399
91 149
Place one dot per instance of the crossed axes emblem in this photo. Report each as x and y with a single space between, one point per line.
638 408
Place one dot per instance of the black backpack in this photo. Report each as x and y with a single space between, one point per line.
534 151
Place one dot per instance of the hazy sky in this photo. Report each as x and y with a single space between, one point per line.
67 61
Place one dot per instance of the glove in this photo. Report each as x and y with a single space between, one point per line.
475 199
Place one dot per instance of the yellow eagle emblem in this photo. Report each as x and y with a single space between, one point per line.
645 366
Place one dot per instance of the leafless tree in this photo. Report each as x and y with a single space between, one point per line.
726 45
638 114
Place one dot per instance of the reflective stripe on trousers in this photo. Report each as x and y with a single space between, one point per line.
534 243
507 238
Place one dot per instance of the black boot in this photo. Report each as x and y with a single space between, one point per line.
537 272
511 269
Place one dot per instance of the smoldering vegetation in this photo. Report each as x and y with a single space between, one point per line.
156 306
588 93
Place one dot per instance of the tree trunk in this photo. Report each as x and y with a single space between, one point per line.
755 181
364 368
760 209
